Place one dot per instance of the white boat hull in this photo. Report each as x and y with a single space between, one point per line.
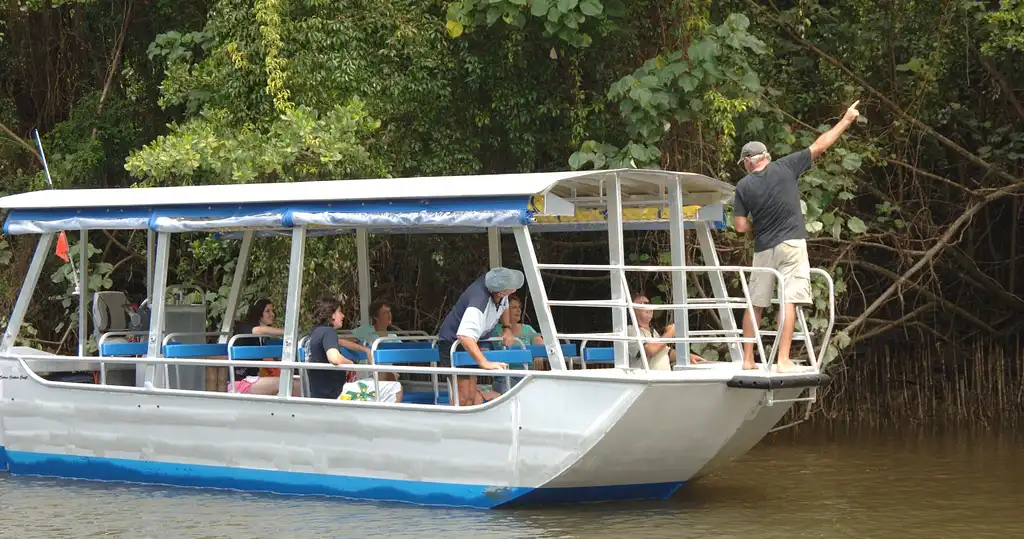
590 437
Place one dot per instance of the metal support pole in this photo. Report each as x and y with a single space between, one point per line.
241 268
710 256
158 319
150 254
617 257
540 297
28 287
363 264
292 303
494 247
83 291
677 239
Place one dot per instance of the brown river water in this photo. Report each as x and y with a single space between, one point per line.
900 482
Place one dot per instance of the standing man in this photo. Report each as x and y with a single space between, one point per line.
477 312
770 196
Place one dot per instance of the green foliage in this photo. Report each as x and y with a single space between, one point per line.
1005 26
710 83
571 21
301 144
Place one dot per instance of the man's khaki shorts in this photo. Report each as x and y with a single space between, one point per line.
789 258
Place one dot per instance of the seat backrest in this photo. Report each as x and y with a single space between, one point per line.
513 357
406 356
109 311
541 351
599 355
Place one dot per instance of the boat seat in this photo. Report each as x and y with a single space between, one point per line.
124 349
539 351
255 353
411 353
511 357
109 312
595 355
184 351
406 356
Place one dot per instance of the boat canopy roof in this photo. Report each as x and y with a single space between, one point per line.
552 200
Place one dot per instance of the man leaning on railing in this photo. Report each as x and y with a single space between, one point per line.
767 203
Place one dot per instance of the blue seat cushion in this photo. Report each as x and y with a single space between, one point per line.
175 350
540 351
406 356
255 353
599 355
118 349
512 357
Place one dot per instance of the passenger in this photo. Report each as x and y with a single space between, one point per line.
324 346
659 355
258 320
479 309
767 205
526 334
380 317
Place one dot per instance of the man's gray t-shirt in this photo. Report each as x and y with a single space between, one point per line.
771 197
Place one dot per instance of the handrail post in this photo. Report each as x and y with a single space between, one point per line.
151 375
83 291
28 288
241 267
617 258
677 242
292 302
540 298
363 271
718 287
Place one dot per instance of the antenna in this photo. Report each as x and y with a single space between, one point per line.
49 180
42 156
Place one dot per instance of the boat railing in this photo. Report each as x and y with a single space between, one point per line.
383 356
816 355
721 335
252 352
511 357
49 362
709 336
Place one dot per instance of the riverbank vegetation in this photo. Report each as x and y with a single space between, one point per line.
917 212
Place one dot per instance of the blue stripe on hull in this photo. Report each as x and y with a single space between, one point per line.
313 484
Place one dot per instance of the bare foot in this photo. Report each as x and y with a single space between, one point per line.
749 365
787 366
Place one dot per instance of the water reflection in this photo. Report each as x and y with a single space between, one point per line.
814 484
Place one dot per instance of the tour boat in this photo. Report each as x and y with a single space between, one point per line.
565 435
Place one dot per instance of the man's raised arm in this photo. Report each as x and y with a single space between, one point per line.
828 138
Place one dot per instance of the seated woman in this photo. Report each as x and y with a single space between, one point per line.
527 335
324 346
659 355
258 320
380 317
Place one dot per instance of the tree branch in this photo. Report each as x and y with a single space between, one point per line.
946 304
115 61
1001 82
884 99
944 241
927 174
21 142
988 283
893 324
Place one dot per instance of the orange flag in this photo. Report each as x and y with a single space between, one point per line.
62 247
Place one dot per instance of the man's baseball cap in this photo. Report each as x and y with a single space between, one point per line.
751 149
501 279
